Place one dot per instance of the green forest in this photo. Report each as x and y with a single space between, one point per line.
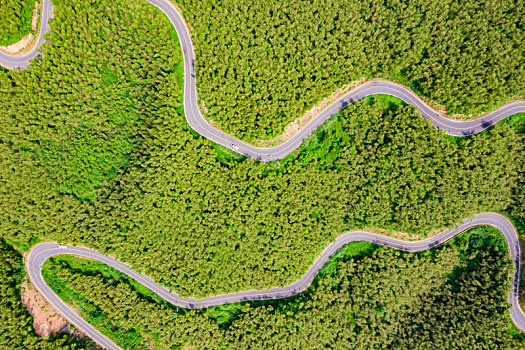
262 64
367 297
95 151
16 325
15 20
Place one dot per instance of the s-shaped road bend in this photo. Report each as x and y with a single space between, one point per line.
44 251
201 126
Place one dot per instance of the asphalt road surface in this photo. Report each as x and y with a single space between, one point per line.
200 125
43 251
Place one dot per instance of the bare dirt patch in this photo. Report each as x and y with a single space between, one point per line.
441 109
18 46
292 128
34 20
203 107
406 236
46 320
395 234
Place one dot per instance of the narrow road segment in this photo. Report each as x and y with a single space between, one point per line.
196 120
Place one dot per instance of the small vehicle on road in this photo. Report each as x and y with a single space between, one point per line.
235 147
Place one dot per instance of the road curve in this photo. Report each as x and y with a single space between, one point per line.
201 126
20 62
43 251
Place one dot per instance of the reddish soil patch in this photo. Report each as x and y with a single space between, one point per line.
203 107
18 46
34 20
46 320
395 234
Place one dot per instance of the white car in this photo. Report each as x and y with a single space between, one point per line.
235 147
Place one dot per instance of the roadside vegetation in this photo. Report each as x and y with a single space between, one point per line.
95 151
367 297
262 64
16 324
15 20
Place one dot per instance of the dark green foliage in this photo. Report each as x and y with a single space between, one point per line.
262 64
352 250
517 121
94 150
226 155
15 20
224 314
379 298
16 325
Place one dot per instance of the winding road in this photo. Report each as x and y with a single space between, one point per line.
43 251
201 125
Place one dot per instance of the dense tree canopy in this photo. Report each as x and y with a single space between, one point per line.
262 64
94 150
453 297
15 20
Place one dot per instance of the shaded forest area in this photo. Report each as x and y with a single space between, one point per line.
16 324
15 20
262 64
95 151
367 297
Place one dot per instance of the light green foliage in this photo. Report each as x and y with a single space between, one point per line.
452 297
262 64
94 150
15 20
88 102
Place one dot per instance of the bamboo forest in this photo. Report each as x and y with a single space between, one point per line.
95 151
263 64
